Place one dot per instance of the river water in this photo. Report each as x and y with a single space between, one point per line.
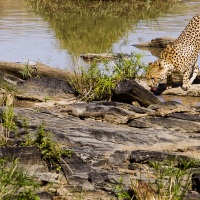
25 35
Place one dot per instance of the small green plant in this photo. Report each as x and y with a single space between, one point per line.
29 72
51 151
171 182
120 192
46 99
96 83
8 124
25 125
131 67
7 86
15 183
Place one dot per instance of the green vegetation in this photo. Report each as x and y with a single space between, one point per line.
8 125
29 72
15 183
9 88
51 151
172 179
97 82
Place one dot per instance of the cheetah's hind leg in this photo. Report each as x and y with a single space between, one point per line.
189 76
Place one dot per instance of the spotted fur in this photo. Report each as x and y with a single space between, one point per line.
180 56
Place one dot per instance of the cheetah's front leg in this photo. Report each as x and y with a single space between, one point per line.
190 72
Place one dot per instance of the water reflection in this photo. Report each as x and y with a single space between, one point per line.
25 35
188 101
84 32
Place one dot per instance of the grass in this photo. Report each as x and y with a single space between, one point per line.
15 183
29 72
51 151
172 180
97 82
8 125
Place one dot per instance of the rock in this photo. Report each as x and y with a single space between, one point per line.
97 177
196 182
74 164
194 91
27 155
128 91
114 112
142 156
107 153
166 108
174 124
45 87
45 196
139 156
161 42
191 195
119 159
155 46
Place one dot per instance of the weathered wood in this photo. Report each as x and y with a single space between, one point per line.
43 70
128 91
90 56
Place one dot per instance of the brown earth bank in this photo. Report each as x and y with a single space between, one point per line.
113 142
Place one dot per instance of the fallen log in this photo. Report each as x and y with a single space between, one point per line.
16 69
129 91
110 56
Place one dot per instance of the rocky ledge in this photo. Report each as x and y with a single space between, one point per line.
113 142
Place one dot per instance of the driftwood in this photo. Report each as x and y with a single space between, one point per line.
110 56
16 69
129 91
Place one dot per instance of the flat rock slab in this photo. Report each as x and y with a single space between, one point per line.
194 91
160 42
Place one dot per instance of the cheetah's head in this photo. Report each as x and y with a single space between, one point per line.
157 71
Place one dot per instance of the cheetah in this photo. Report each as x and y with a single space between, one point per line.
180 56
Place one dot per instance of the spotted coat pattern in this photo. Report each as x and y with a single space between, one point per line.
180 56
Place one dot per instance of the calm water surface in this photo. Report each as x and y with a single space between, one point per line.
26 35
